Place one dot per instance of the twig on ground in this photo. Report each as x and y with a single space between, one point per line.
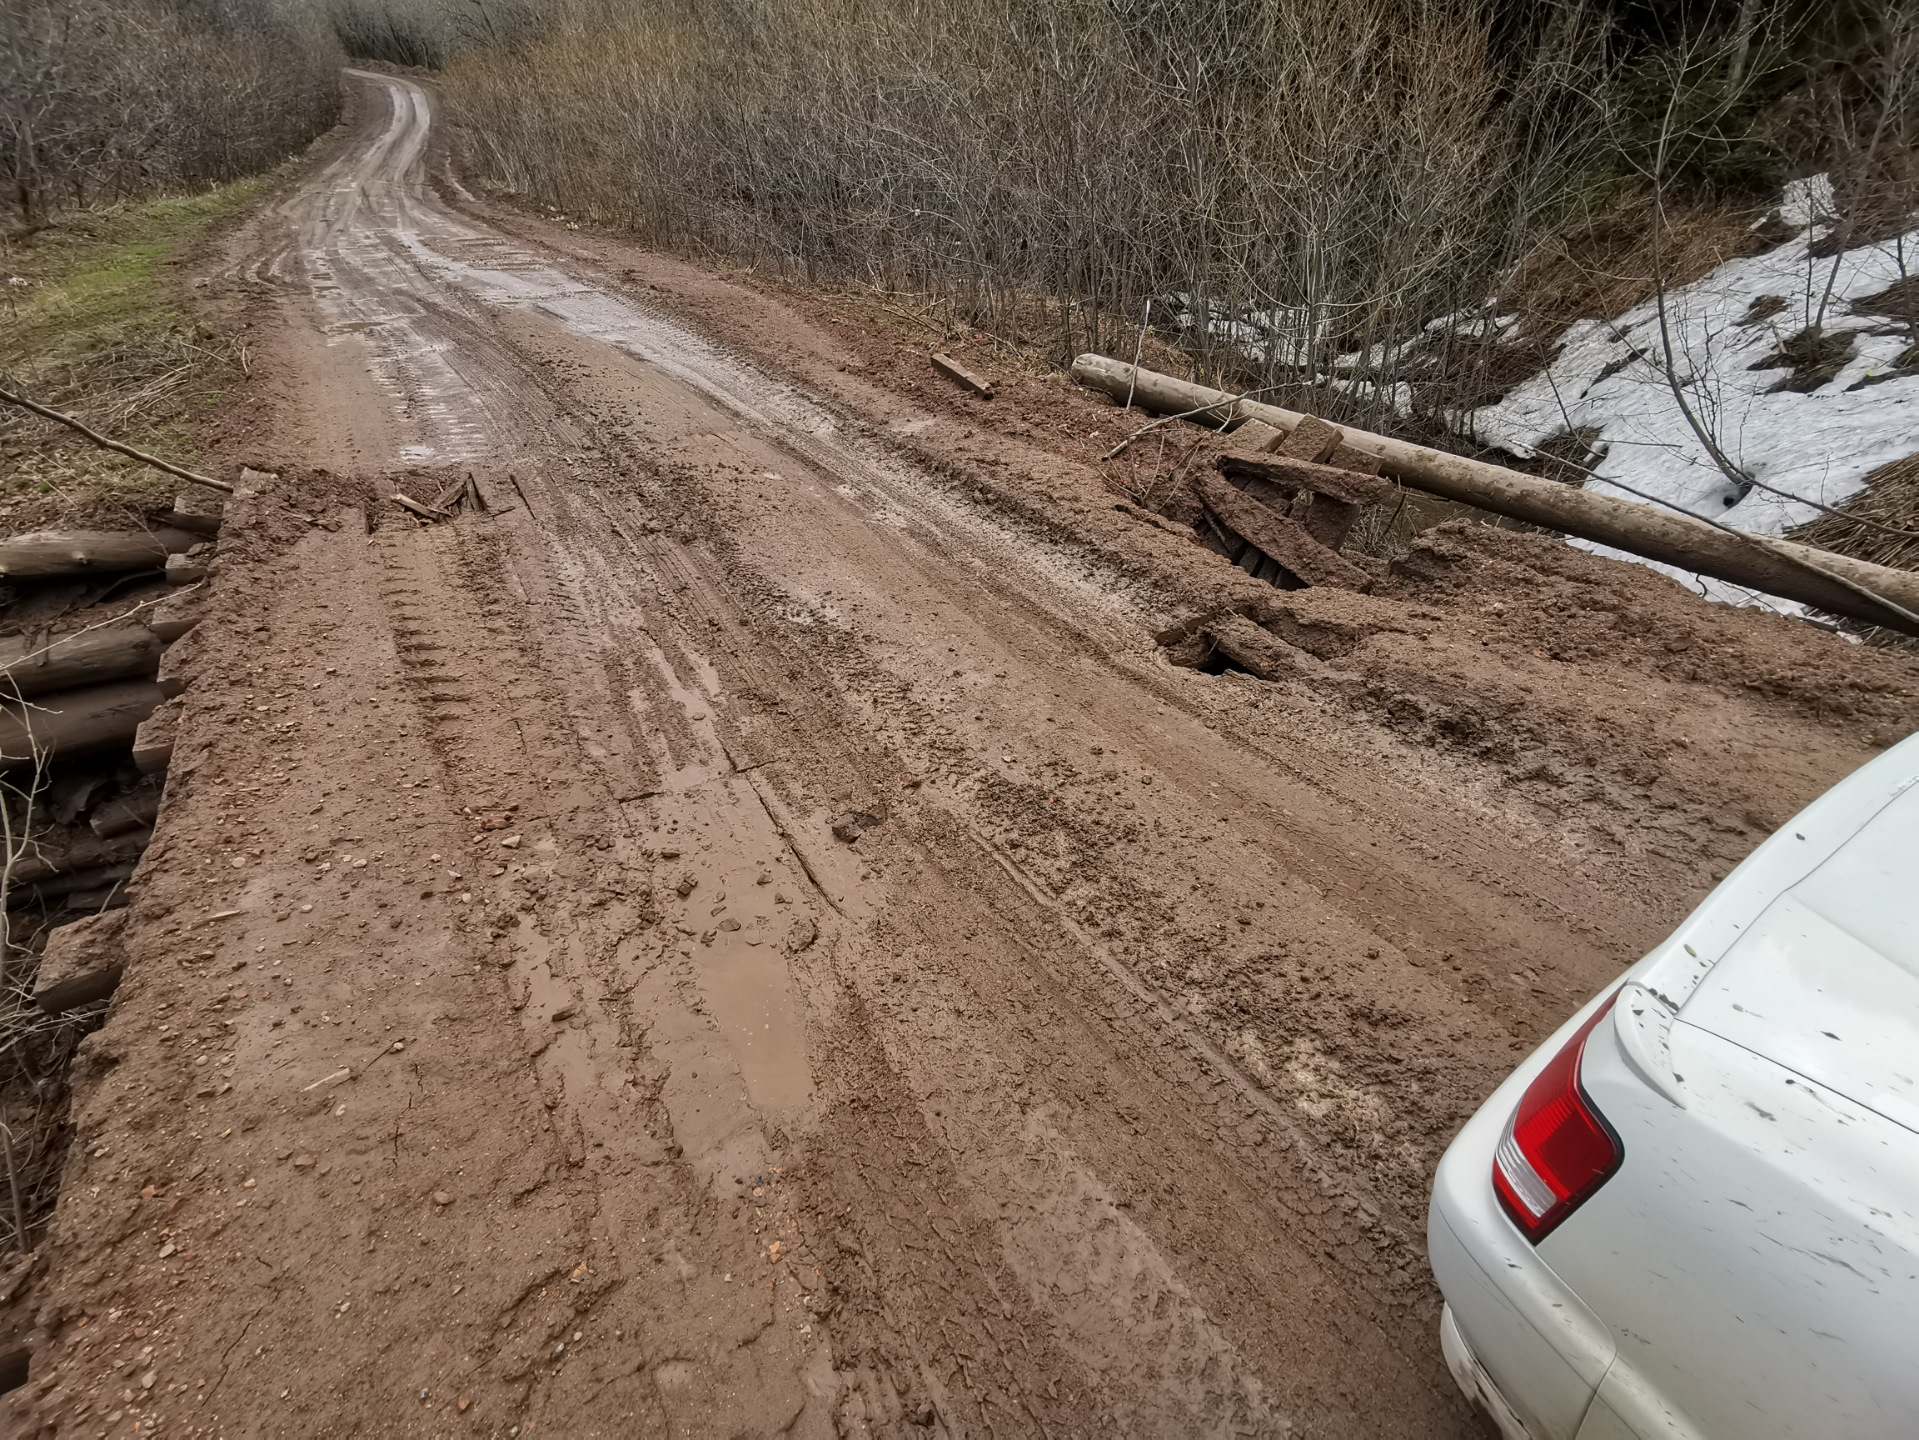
114 445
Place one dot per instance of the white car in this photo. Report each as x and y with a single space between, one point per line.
1694 1211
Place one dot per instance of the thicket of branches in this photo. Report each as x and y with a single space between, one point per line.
1326 173
101 99
1307 177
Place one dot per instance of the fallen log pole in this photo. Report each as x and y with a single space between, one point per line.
40 864
1775 567
75 721
80 552
38 664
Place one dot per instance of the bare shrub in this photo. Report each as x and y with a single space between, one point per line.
102 99
1290 180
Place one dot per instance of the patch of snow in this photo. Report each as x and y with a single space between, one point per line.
1611 378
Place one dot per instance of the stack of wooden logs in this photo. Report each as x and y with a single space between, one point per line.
87 711
1283 504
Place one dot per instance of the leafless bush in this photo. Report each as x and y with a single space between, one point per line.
105 98
1297 179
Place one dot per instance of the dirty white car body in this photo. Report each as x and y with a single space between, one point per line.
1746 1264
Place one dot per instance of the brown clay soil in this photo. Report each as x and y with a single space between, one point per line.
511 1046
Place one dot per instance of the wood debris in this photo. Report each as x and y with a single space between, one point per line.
953 370
462 494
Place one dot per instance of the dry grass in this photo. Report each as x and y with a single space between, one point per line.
1890 506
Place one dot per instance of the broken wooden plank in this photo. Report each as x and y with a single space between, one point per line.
1345 457
1257 437
1822 578
77 552
198 512
425 512
1280 537
1290 477
1251 648
186 569
1311 439
153 741
956 371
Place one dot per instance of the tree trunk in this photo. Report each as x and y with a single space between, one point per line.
74 722
52 552
37 663
1764 564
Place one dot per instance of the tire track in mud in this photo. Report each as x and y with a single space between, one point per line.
1154 1239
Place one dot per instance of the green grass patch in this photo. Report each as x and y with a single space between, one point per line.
97 322
96 278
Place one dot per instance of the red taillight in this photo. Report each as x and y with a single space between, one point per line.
1558 1149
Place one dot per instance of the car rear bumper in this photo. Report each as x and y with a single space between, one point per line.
1472 1378
1528 1348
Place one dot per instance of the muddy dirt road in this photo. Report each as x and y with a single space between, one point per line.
752 935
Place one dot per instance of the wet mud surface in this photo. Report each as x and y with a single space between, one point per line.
752 934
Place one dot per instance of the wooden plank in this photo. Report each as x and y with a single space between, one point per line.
1347 458
1312 439
1284 539
953 370
425 512
1292 476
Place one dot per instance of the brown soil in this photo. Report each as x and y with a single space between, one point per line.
511 1044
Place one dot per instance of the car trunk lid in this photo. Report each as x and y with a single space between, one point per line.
1826 980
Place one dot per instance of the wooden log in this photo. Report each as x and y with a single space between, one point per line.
74 722
124 814
1775 567
38 865
1277 536
39 664
75 552
78 882
955 371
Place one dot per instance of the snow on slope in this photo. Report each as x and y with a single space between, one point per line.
1611 376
